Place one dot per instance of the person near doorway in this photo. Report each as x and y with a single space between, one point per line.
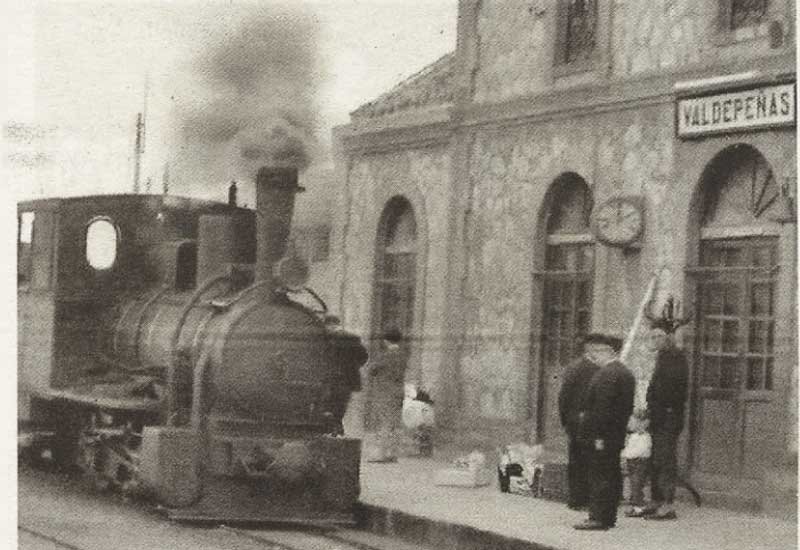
609 404
348 355
666 399
571 410
386 375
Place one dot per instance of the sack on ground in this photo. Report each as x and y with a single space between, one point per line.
519 469
417 409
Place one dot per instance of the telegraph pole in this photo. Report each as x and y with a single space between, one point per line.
165 178
140 137
137 151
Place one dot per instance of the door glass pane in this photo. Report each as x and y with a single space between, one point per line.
711 256
768 373
732 300
755 374
761 299
588 257
584 295
565 355
584 320
710 371
390 266
732 257
728 373
756 340
554 259
713 298
770 336
763 256
730 335
712 336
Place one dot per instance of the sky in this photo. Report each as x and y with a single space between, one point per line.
214 73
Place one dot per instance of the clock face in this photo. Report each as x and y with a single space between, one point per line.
618 221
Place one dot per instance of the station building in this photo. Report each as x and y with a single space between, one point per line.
569 159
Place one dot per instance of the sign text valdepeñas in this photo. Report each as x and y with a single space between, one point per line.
744 109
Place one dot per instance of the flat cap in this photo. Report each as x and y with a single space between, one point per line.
611 340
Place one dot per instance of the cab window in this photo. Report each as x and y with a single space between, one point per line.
102 239
25 246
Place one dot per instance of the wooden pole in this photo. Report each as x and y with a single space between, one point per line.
648 295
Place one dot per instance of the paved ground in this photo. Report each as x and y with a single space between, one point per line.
57 513
406 487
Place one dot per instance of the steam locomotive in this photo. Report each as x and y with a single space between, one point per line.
166 345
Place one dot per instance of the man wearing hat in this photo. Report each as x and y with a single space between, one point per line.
609 404
571 410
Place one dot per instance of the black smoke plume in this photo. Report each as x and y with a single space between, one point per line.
249 100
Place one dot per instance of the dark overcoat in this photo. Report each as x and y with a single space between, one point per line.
667 391
609 404
571 398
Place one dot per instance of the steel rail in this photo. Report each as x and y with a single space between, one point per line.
48 538
341 542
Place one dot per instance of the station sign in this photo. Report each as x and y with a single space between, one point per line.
762 107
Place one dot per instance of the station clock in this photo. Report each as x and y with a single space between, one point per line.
619 221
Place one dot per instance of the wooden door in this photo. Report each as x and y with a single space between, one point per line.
736 376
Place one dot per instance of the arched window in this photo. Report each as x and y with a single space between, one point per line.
395 273
567 278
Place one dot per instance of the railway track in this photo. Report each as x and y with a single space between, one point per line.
232 538
59 513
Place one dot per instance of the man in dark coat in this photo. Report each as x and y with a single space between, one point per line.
609 404
571 410
347 355
666 398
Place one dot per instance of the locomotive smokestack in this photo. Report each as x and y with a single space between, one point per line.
275 191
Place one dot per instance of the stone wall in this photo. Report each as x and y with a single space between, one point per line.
516 43
662 35
422 177
511 169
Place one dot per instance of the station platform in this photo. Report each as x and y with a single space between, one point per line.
400 500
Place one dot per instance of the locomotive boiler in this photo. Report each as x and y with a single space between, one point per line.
169 346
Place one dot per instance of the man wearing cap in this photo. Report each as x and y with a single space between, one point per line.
609 404
571 409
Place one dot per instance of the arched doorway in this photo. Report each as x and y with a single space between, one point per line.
567 289
736 427
395 271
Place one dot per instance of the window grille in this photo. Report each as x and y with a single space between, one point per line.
581 29
745 13
568 274
736 337
396 270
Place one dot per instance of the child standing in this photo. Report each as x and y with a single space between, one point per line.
636 453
